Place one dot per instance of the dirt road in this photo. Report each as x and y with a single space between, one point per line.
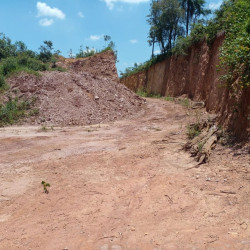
123 185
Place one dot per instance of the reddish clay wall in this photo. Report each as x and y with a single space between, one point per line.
196 75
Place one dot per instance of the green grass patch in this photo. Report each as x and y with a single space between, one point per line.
169 98
143 93
193 130
14 110
185 102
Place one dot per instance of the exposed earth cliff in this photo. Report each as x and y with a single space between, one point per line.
197 76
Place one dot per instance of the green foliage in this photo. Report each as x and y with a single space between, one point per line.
45 186
143 93
14 110
2 81
235 51
17 58
233 20
90 52
165 23
44 128
143 66
169 98
46 51
181 46
85 53
200 146
8 65
193 9
6 47
12 65
193 130
185 102
58 68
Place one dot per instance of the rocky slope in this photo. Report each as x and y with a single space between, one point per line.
196 75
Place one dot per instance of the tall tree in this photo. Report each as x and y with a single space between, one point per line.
193 9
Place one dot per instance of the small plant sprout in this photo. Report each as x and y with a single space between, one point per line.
45 186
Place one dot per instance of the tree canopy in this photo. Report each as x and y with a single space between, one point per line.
170 19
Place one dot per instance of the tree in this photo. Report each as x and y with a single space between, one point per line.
7 49
46 51
106 39
20 47
193 9
71 53
165 20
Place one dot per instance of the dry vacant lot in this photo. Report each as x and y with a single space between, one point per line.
122 185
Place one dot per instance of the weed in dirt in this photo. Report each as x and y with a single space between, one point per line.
45 186
4 87
193 130
200 146
58 68
185 102
34 112
44 128
2 81
169 98
156 129
226 139
143 93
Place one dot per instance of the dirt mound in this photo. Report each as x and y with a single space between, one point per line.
67 98
102 65
88 93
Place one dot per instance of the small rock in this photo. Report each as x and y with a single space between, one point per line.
97 97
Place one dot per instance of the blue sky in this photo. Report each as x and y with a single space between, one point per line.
71 23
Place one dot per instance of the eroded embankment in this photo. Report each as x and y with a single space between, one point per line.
197 76
87 93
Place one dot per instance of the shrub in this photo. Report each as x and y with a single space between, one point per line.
2 81
85 53
14 110
235 51
193 130
9 65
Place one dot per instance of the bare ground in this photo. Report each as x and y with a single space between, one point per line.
123 185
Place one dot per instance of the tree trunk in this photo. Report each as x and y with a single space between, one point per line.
153 47
187 20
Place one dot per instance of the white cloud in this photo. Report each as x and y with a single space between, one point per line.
45 10
95 37
46 22
80 14
214 6
110 3
133 41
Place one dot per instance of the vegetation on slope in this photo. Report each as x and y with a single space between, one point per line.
92 51
13 110
17 57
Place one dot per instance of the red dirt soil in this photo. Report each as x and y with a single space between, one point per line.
123 185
